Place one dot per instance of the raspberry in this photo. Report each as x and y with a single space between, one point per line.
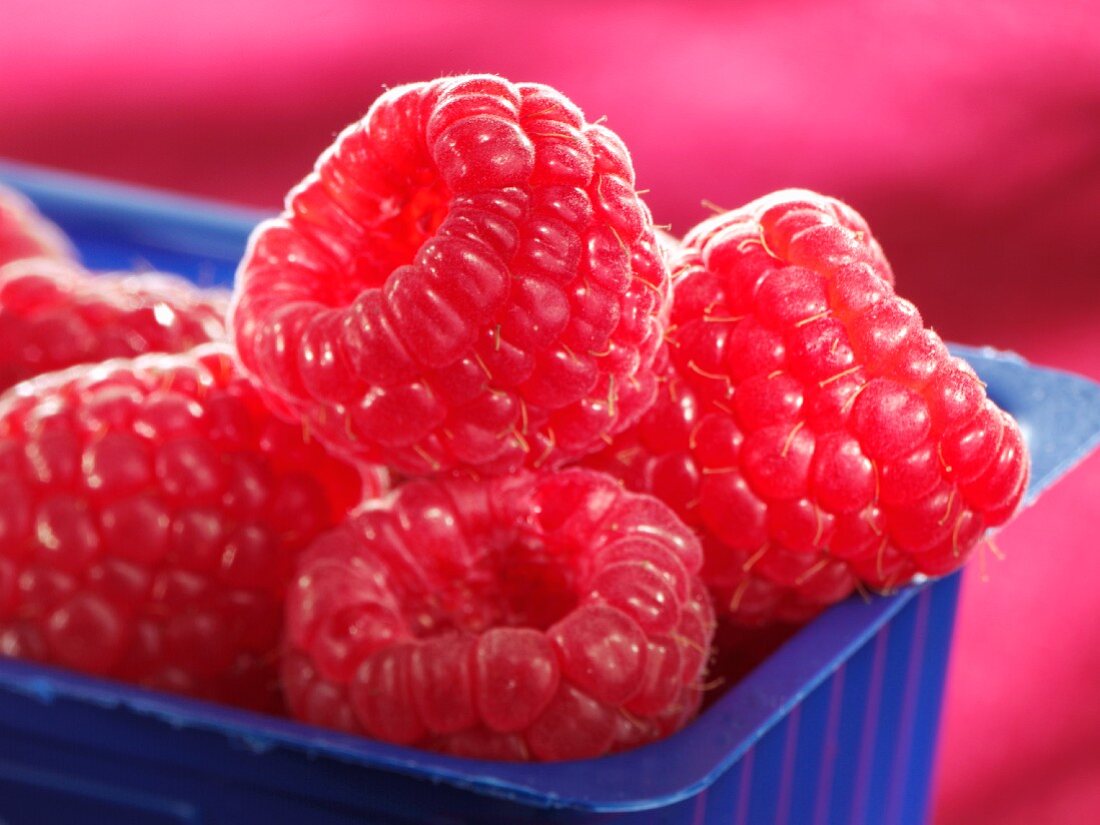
809 426
667 244
541 616
468 279
24 233
152 512
55 314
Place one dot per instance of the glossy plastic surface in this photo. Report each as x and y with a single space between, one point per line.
838 726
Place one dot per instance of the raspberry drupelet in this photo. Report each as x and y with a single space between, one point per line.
25 233
468 279
809 426
152 512
534 617
55 314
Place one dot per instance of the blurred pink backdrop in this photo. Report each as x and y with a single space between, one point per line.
967 133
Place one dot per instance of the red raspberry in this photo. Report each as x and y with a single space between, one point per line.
543 617
152 511
24 233
809 426
467 279
55 314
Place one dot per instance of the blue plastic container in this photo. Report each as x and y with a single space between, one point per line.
839 725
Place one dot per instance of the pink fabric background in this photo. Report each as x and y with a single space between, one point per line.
967 133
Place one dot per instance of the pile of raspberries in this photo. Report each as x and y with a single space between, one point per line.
475 458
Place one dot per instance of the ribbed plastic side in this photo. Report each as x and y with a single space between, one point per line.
859 747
